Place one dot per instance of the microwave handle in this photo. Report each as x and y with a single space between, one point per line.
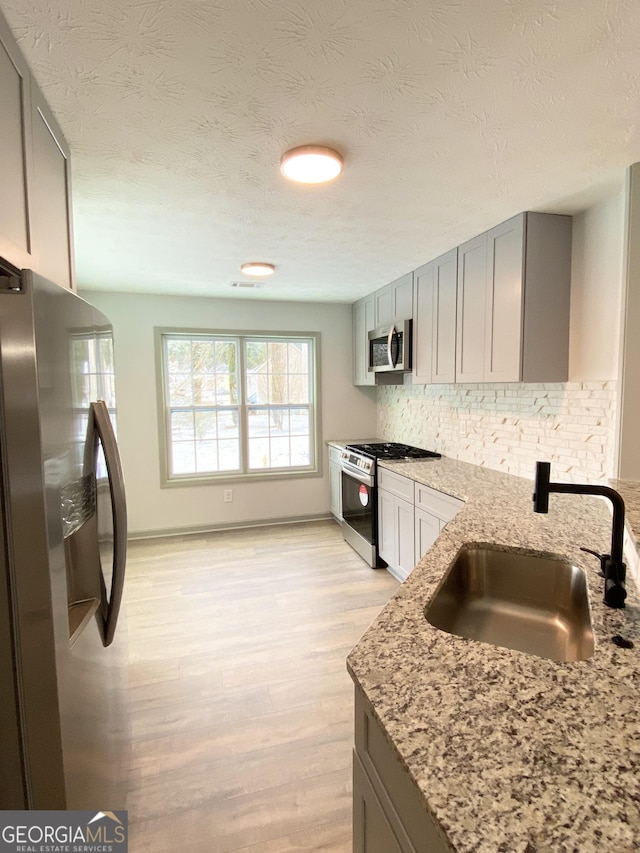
392 361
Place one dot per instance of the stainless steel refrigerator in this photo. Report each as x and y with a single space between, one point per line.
62 553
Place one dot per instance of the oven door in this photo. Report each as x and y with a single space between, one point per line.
360 514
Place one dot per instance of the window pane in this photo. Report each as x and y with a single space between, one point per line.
180 391
259 453
206 426
178 355
223 390
206 456
298 388
258 420
300 421
229 455
279 422
280 455
278 392
300 451
183 457
182 426
277 357
256 354
204 390
228 424
203 357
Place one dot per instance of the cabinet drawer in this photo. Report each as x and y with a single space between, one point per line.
402 487
437 503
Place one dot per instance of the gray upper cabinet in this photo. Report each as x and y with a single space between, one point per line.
35 214
434 315
505 291
50 195
527 304
15 148
363 323
500 302
471 302
395 301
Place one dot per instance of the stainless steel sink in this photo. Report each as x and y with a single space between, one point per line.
529 602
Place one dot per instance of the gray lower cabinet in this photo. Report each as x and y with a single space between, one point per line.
335 483
433 511
411 516
363 322
390 814
396 523
372 832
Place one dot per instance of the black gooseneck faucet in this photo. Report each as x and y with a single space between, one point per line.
612 565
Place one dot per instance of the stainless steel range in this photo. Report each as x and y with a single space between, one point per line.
360 492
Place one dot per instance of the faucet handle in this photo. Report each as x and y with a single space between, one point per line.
602 557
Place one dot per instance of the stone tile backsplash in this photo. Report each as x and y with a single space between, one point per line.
508 426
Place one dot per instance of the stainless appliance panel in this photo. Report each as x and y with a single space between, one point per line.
65 691
359 513
390 348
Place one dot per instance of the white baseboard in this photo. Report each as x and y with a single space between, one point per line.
194 530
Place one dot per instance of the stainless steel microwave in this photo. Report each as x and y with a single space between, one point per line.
390 348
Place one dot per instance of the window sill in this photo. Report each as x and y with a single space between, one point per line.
226 479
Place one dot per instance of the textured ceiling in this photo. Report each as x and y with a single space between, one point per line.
452 115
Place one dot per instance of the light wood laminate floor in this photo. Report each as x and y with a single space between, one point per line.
241 705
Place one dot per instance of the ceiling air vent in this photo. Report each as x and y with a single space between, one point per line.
247 285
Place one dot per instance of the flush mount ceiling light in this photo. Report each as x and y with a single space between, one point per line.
311 164
258 268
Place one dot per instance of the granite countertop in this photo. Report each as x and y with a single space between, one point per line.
512 753
342 442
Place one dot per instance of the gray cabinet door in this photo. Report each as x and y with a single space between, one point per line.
395 301
427 530
402 291
335 483
434 320
387 528
363 323
405 544
383 306
505 294
50 195
423 323
15 148
471 303
372 832
445 286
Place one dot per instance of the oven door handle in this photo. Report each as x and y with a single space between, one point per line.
356 475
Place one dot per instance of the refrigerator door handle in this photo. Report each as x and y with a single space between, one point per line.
106 435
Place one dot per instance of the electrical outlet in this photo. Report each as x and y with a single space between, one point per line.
228 495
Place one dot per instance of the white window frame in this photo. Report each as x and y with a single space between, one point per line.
314 469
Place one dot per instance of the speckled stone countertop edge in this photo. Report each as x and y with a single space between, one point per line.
542 736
